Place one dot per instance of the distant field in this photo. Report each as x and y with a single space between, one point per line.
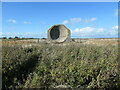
108 41
80 63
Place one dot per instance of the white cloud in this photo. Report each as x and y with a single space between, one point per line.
114 30
86 29
95 32
90 20
65 22
100 30
115 27
89 29
12 21
77 20
26 22
87 32
72 21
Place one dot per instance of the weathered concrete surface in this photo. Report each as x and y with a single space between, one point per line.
58 33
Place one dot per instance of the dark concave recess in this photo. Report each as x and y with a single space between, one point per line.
55 33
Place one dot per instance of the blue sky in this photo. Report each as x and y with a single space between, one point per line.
84 19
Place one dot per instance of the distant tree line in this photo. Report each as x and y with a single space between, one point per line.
16 37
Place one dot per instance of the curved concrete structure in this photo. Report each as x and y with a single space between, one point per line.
58 33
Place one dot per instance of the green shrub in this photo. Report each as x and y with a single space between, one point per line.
72 65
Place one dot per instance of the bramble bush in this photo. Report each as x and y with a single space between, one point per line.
48 66
16 64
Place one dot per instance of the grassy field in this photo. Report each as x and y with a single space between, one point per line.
85 63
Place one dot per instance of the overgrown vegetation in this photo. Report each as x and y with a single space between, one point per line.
72 65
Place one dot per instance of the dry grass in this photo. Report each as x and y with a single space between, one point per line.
98 42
